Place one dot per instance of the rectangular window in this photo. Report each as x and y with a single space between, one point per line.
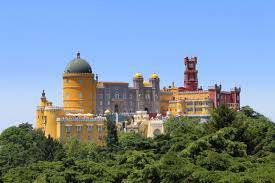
100 103
67 95
100 96
80 95
78 129
80 81
100 128
109 103
68 129
90 128
90 138
100 131
67 81
108 96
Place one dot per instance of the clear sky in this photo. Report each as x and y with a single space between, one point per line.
234 41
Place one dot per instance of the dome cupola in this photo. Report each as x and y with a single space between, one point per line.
138 75
154 76
78 65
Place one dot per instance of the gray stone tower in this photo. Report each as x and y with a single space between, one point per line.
138 85
154 80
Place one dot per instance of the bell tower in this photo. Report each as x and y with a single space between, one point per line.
190 74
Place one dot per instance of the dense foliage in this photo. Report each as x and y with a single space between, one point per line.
231 147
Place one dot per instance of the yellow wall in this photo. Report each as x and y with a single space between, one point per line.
51 115
189 103
79 92
85 135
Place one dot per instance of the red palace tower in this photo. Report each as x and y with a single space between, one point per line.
190 74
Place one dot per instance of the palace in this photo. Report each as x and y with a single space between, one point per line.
193 101
85 100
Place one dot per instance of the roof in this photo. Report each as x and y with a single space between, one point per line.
78 65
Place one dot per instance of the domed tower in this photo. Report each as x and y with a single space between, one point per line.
154 80
138 80
139 86
79 87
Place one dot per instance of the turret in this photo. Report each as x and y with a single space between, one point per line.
235 95
154 80
215 94
138 81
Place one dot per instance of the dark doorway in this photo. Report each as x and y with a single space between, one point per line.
116 109
147 110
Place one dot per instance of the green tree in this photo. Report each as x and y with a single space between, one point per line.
112 138
221 117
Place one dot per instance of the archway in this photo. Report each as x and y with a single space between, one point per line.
147 110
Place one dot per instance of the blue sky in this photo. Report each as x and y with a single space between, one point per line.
233 40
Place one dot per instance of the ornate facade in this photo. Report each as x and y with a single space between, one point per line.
190 100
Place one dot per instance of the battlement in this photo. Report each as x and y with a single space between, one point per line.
236 89
77 119
190 59
53 108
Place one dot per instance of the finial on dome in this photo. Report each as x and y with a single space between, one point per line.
78 55
43 94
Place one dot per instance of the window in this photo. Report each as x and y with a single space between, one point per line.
90 128
100 130
100 96
147 96
108 96
80 81
130 96
108 103
80 95
90 138
67 81
67 95
117 95
78 129
124 96
100 103
68 129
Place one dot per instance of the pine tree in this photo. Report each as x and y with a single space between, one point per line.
112 138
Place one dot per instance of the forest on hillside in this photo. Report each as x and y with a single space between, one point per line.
230 147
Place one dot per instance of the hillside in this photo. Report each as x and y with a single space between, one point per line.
231 147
